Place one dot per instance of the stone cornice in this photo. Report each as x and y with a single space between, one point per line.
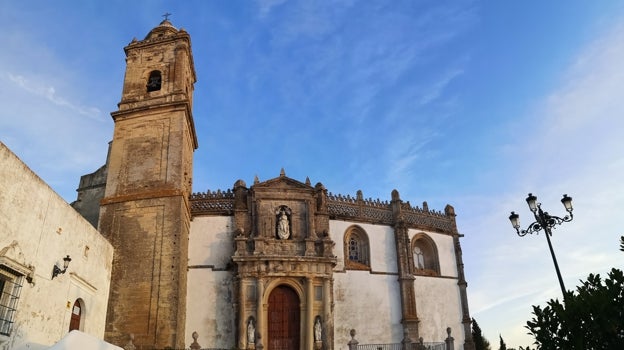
142 196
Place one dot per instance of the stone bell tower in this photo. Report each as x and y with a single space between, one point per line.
145 212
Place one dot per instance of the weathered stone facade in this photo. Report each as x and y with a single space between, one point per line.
145 211
90 192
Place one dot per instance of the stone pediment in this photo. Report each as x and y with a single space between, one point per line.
282 183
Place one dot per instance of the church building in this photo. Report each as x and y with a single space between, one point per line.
280 263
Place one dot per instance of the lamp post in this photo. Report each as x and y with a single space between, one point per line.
546 222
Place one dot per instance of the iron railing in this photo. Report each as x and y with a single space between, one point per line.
399 346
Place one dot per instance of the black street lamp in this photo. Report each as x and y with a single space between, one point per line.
544 221
57 270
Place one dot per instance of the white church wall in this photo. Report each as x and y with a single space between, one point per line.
210 311
211 241
437 298
446 251
439 306
381 244
38 228
368 303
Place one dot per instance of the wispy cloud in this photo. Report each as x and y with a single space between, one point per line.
265 6
49 93
437 88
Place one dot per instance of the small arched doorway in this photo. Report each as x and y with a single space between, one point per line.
284 319
76 316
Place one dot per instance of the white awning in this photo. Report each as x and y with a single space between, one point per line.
76 340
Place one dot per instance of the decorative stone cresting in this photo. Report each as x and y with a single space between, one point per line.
340 207
217 202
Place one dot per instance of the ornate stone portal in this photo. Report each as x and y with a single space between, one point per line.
282 248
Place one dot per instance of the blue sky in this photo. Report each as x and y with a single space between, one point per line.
470 103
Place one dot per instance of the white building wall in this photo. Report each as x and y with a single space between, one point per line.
367 301
439 306
381 241
370 304
437 298
37 229
446 251
210 310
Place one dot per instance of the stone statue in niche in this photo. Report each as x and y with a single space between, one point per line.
419 258
251 331
283 224
317 330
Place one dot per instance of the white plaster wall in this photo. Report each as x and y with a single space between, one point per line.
210 310
381 244
439 306
446 251
38 228
368 303
211 241
438 300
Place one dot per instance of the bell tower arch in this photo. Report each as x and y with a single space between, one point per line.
145 211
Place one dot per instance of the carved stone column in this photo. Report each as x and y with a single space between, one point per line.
242 314
406 279
328 317
310 247
260 326
468 342
309 322
241 244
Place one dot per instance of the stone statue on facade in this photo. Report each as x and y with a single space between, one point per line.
251 332
317 330
283 227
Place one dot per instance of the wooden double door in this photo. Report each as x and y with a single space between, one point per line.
284 319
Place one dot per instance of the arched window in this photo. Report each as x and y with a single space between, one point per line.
425 255
154 81
356 249
75 322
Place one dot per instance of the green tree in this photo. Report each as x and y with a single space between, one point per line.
622 243
502 345
590 318
479 340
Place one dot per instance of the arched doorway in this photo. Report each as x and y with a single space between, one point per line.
76 316
284 319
